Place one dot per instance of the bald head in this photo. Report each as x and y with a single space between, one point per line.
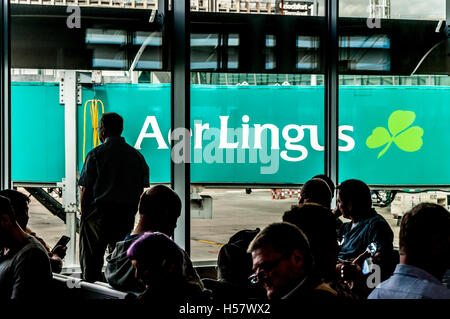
160 208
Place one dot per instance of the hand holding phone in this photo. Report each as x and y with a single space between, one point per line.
61 247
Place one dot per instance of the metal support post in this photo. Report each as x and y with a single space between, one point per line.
180 101
212 5
331 58
315 12
447 30
70 96
5 98
316 8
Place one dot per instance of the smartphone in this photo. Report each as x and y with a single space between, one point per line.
63 241
372 248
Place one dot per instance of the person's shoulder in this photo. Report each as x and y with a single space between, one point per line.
390 288
93 152
132 150
345 227
187 258
325 290
32 251
433 290
34 245
378 219
126 243
30 232
377 293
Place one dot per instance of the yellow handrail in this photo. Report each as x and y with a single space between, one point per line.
94 121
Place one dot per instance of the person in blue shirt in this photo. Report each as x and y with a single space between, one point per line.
424 256
366 227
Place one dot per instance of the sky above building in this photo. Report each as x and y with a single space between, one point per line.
400 9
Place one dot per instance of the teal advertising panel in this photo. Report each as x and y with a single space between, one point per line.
388 135
288 119
401 134
37 133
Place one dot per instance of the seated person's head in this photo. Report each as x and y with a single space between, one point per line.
157 259
354 199
319 226
111 124
425 238
7 221
161 207
234 264
327 180
19 202
281 258
317 191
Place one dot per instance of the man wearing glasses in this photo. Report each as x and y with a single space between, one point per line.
283 264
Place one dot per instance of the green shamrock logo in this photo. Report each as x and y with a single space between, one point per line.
408 139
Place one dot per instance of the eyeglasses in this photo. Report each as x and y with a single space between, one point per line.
265 269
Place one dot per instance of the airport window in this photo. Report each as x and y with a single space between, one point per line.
233 51
57 100
393 85
205 51
371 104
108 47
149 54
215 51
369 53
264 128
307 52
271 42
257 104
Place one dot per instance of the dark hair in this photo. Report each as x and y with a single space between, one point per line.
316 190
6 208
234 263
419 229
358 193
327 180
16 198
19 202
284 238
156 249
319 226
158 202
112 124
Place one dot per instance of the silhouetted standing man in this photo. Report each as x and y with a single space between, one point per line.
113 178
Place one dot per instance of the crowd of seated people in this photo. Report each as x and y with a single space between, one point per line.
299 258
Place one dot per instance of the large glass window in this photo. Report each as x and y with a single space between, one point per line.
393 84
257 131
118 59
257 100
393 96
